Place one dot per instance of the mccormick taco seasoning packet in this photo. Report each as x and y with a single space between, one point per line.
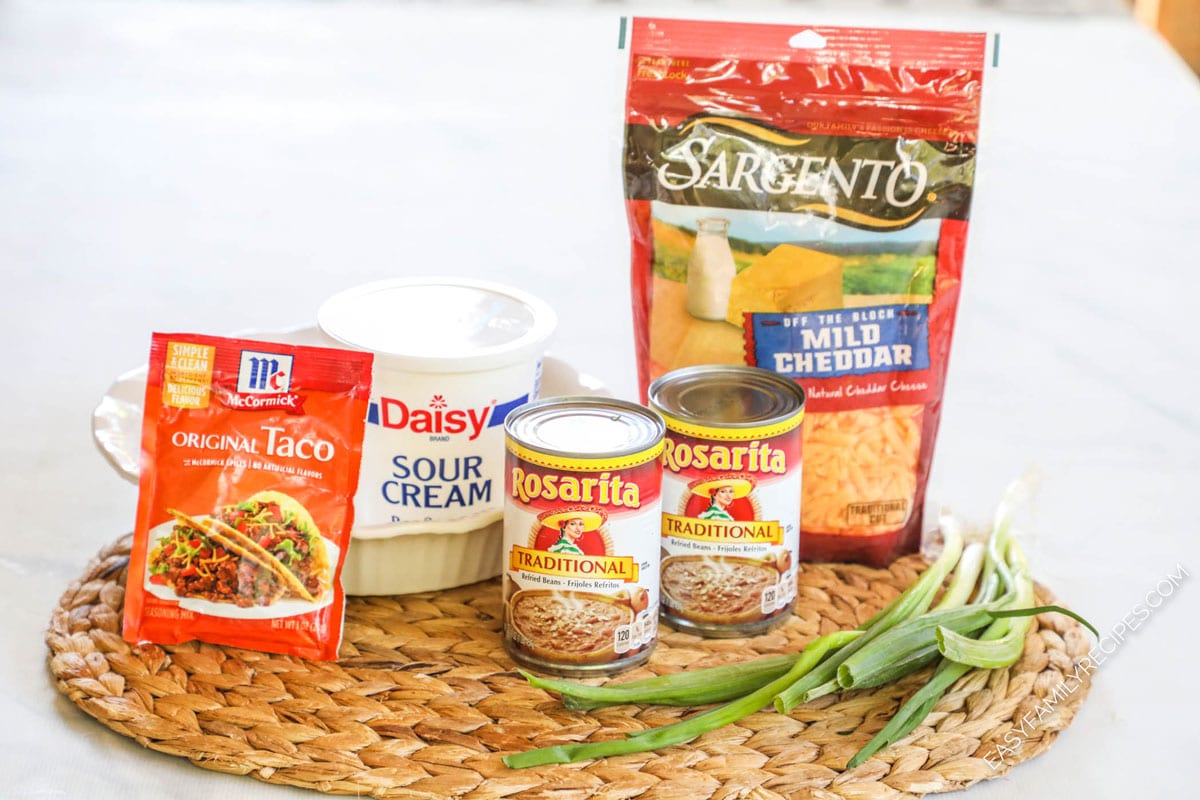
250 458
799 200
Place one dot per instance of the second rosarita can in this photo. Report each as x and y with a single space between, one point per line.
582 511
731 498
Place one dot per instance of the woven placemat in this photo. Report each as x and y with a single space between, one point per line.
424 701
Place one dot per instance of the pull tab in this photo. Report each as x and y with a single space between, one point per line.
807 39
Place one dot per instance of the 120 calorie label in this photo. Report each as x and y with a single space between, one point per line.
730 526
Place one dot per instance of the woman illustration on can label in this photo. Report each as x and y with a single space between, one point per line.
720 498
569 532
572 527
720 494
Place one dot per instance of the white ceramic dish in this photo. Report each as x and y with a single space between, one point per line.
385 559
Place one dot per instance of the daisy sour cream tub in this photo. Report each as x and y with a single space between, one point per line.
452 358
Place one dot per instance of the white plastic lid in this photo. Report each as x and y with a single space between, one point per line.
440 324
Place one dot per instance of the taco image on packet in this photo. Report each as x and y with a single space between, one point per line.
197 561
250 460
282 534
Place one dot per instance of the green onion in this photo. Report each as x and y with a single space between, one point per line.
917 707
912 603
1050 609
989 590
913 644
906 647
912 712
966 575
1005 650
718 684
1003 639
692 687
690 728
812 655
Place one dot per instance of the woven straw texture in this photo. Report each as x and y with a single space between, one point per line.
424 701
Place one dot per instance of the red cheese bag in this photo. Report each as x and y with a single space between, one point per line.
250 458
798 200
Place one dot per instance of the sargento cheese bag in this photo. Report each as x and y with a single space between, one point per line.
250 460
798 200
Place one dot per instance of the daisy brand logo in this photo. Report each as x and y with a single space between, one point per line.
264 373
438 417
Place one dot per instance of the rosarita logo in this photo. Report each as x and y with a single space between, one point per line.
438 417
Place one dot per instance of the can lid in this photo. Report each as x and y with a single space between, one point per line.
583 427
440 324
727 396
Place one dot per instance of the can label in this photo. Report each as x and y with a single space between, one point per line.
582 554
730 524
431 449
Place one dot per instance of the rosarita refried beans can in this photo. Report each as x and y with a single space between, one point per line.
583 510
731 498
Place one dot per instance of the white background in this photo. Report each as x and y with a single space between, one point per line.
211 167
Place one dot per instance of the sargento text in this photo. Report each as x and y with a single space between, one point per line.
695 164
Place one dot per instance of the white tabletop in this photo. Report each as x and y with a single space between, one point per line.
211 167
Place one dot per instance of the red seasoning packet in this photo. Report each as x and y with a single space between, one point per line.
250 458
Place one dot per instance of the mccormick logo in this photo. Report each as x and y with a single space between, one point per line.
264 373
263 384
437 418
